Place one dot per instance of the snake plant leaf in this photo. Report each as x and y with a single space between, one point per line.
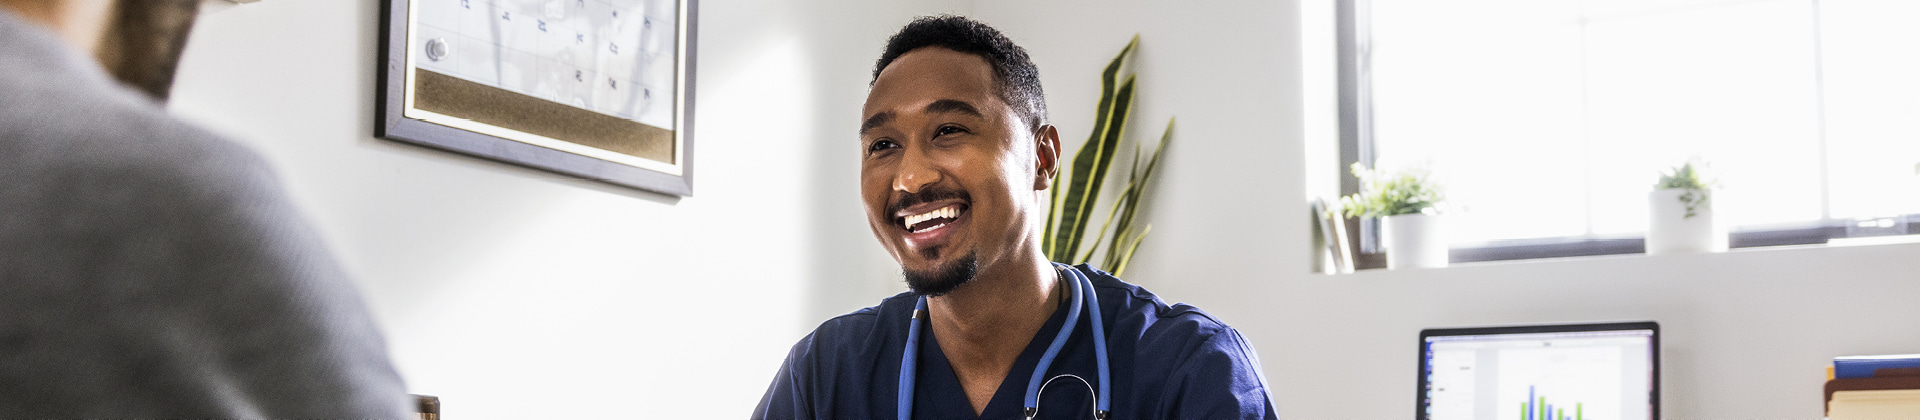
1090 169
1133 174
1078 190
1129 202
1090 165
1107 78
1120 268
1064 220
1053 213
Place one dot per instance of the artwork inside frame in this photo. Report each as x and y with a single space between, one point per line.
598 89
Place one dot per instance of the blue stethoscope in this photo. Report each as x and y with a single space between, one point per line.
1081 287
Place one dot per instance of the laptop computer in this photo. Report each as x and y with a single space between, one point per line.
1541 372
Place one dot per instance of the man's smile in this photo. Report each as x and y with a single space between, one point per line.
932 220
928 227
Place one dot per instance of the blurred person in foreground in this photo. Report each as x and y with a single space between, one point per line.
150 268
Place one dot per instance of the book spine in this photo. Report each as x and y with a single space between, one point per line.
1863 368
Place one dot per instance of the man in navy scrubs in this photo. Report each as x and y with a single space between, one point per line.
956 156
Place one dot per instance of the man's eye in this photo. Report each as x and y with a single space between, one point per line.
879 145
945 130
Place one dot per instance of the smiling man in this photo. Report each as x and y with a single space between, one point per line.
956 155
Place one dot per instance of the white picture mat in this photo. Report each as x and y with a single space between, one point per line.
419 35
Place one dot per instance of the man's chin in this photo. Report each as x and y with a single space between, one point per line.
944 278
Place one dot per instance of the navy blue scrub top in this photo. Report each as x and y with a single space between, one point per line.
1168 362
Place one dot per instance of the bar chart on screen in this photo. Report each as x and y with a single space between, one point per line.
1554 383
1604 371
1539 408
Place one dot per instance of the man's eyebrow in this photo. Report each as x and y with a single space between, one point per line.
937 107
953 105
875 121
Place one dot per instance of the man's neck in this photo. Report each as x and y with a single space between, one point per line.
80 23
983 326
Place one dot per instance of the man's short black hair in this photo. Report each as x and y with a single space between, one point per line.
1018 79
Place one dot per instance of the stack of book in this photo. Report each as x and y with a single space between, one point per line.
1874 387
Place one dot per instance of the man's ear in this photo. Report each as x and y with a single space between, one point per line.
1046 150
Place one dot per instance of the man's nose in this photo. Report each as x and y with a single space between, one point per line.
916 172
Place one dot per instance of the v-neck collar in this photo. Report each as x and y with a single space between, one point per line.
1008 400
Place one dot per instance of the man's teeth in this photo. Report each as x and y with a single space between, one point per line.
947 212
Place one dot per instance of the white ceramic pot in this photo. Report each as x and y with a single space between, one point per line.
1414 241
1671 231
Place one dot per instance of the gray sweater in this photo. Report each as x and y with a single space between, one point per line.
149 268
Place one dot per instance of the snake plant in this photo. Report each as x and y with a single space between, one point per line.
1078 192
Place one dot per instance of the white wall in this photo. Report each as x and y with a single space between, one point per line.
515 293
1748 333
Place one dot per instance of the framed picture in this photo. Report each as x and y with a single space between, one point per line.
598 89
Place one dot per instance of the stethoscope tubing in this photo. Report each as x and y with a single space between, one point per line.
1083 297
1104 403
1053 349
909 362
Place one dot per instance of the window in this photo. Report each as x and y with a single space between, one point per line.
1550 120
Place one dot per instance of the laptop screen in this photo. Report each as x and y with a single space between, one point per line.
1542 372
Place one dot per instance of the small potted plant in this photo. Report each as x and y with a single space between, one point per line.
1407 204
1680 218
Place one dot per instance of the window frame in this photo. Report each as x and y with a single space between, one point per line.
1353 74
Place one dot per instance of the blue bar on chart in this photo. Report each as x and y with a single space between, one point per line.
1537 408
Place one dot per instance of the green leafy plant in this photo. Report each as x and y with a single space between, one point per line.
1392 194
1691 178
1077 193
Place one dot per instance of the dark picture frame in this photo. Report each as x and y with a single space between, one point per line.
424 107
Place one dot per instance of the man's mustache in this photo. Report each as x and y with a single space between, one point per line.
926 195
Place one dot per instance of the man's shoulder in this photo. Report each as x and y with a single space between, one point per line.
1161 331
1179 346
102 133
1135 304
854 329
121 161
68 122
83 158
